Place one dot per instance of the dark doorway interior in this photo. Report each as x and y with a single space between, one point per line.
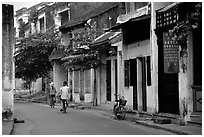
168 91
116 78
133 81
144 94
197 70
108 79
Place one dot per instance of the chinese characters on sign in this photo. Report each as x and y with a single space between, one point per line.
171 54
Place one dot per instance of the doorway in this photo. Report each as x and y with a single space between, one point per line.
133 81
168 89
141 80
108 80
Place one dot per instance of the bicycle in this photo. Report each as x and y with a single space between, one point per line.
52 101
119 109
64 105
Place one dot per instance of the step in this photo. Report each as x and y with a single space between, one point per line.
162 121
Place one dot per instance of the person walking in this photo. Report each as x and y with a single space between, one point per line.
52 94
65 92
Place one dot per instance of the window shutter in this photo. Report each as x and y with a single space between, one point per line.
148 71
133 72
126 73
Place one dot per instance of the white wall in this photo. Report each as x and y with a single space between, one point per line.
134 50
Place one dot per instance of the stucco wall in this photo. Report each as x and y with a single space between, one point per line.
134 50
59 75
8 70
185 79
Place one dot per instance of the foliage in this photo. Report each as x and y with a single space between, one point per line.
32 55
84 56
182 29
7 113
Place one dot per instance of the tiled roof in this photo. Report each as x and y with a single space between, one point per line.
93 13
57 54
105 38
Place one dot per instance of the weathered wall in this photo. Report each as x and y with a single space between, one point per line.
134 50
59 75
8 72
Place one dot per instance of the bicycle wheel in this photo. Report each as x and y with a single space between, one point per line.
116 111
123 112
52 103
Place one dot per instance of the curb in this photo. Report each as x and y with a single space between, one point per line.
162 128
146 124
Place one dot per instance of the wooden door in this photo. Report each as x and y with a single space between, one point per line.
133 81
144 94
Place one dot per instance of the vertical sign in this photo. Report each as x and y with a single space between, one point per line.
171 54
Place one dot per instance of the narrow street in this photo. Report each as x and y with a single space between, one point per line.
40 119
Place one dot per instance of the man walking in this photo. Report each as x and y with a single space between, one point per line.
64 96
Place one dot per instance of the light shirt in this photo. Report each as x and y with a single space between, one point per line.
65 92
52 91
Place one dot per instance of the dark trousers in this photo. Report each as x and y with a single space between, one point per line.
64 104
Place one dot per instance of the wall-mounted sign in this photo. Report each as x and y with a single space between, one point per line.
171 54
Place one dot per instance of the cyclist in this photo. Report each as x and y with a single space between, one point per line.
64 96
52 95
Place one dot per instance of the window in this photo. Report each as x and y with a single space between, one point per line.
64 17
148 71
42 25
126 72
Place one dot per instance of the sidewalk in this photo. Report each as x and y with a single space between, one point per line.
189 129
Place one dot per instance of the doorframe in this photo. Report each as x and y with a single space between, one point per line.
142 68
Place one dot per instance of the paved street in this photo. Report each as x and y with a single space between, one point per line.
40 119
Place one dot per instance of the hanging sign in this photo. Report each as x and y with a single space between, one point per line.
171 54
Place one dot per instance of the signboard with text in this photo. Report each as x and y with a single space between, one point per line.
171 54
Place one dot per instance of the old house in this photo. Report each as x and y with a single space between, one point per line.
179 62
134 72
159 75
102 16
28 22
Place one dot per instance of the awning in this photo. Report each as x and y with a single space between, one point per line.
56 54
141 18
71 57
168 7
105 38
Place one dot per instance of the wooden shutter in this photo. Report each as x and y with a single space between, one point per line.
148 71
133 72
126 73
